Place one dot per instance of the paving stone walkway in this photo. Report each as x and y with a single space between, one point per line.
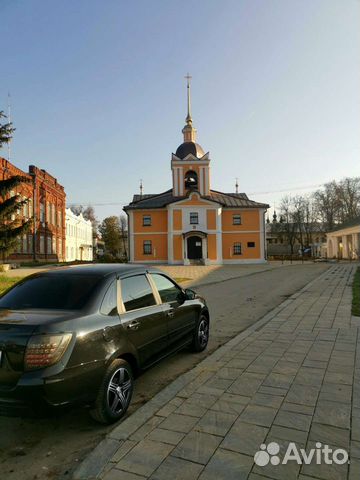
292 377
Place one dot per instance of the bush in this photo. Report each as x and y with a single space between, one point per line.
108 258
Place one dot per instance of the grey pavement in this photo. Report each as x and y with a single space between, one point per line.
294 376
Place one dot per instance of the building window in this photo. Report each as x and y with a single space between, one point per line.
194 218
236 219
237 248
147 247
59 219
25 208
53 219
48 245
18 245
53 245
24 246
42 244
251 244
31 243
42 212
30 207
48 212
146 220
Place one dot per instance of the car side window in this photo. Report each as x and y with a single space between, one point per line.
136 293
109 303
168 291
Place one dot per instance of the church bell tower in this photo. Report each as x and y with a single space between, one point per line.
190 164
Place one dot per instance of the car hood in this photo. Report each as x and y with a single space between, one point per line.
34 317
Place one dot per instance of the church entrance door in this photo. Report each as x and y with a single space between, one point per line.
194 248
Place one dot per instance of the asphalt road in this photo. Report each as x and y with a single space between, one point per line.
52 447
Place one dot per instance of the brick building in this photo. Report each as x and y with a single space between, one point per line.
46 207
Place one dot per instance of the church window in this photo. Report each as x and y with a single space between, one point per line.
251 244
147 245
236 219
237 248
194 218
191 179
146 220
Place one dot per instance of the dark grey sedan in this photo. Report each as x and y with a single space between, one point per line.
80 334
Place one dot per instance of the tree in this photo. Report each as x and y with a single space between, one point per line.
124 234
88 213
338 202
11 228
77 209
6 130
111 234
288 224
348 191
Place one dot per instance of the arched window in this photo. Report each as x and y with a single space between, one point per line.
191 179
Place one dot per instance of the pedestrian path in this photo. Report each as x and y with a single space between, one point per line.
292 378
196 275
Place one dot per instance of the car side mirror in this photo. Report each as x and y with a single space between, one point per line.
189 294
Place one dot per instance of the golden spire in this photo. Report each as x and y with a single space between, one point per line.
188 119
189 131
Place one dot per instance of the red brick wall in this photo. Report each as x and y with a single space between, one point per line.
44 188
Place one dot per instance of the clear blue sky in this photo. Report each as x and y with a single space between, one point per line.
99 99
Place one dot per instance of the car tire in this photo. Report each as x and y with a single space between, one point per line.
201 334
115 393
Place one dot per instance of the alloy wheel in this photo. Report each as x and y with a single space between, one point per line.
203 332
119 391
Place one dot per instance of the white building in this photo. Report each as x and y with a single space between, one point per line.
344 241
79 241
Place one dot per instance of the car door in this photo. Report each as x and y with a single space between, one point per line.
143 318
180 312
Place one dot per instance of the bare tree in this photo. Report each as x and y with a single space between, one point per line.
327 205
89 214
348 191
288 223
337 202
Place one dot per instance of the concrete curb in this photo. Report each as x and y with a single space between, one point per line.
95 463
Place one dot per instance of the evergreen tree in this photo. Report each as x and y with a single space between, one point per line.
11 228
6 130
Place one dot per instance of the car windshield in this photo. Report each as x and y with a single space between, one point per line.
60 292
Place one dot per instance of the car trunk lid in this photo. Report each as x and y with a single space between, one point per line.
16 327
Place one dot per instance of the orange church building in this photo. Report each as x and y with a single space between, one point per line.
191 223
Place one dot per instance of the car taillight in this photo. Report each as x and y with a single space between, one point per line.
45 350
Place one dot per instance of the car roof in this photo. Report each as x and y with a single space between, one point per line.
102 269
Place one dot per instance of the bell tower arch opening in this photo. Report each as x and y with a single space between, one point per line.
191 180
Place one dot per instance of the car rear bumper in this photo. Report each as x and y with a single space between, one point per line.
37 391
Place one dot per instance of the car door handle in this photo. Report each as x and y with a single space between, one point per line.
170 313
133 325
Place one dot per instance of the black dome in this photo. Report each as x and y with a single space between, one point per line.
189 147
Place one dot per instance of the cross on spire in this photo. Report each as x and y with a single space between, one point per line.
188 117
